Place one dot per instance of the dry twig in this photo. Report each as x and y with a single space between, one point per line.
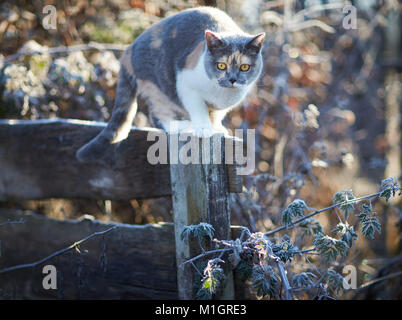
57 253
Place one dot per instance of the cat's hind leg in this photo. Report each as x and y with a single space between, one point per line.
164 112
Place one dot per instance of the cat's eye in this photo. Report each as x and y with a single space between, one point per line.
244 67
221 66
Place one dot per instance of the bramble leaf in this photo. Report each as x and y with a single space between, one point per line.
303 280
389 187
345 199
260 244
199 231
329 247
265 281
347 233
213 277
294 209
367 209
285 250
310 227
368 220
335 280
370 225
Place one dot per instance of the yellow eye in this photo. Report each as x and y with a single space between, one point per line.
244 67
221 66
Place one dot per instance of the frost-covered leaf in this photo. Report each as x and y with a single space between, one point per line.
370 225
368 220
329 247
213 277
310 227
285 250
199 231
367 210
335 280
345 200
302 280
265 281
389 187
294 209
347 233
260 244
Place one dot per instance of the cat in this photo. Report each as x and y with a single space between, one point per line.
193 66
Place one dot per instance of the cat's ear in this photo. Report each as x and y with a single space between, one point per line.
213 40
256 42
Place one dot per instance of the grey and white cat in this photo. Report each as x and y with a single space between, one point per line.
193 66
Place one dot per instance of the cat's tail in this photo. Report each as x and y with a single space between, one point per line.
119 124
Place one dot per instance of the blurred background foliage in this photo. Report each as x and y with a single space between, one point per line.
326 109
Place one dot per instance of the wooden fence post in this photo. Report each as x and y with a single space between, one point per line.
200 193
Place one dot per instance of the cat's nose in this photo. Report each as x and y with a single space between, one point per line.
232 80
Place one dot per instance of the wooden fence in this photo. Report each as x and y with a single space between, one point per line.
117 261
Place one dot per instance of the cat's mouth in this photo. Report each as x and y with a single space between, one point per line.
232 85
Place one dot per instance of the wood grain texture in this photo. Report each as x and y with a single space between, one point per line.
130 262
37 161
200 194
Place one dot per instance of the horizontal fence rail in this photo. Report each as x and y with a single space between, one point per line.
37 161
129 262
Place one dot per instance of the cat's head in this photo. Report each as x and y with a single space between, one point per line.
233 60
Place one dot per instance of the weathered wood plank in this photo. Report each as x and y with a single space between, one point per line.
37 161
130 262
200 194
